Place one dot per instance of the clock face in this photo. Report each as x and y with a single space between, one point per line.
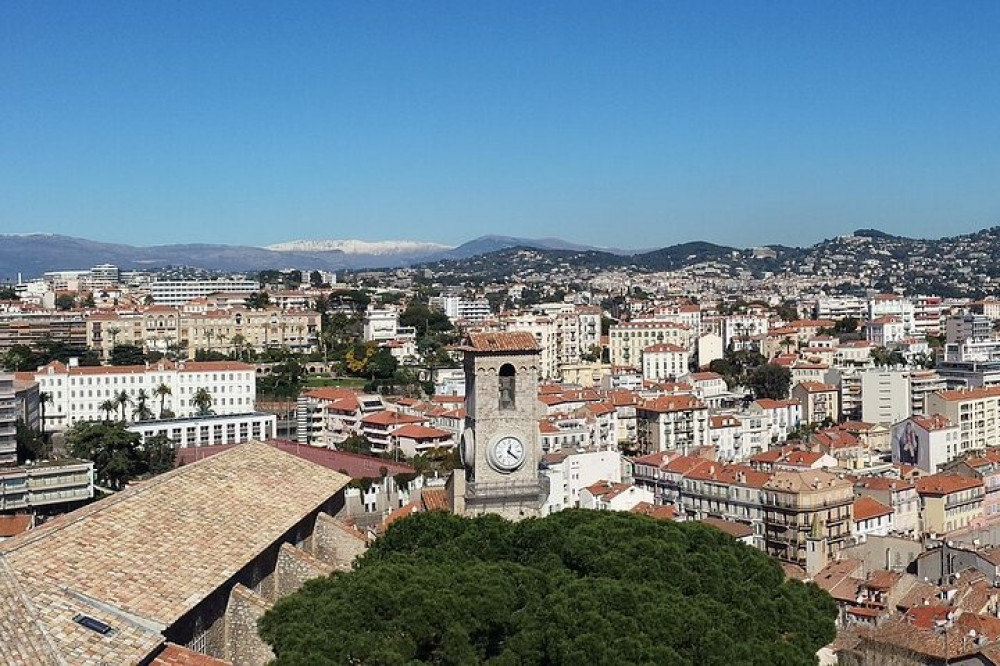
508 453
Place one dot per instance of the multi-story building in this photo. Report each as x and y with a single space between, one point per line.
949 501
975 327
78 393
210 430
925 442
8 418
664 362
48 483
457 308
892 305
328 416
797 502
29 328
819 401
672 423
901 496
975 411
885 331
179 292
572 469
885 396
628 339
987 469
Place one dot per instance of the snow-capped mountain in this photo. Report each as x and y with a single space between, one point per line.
377 248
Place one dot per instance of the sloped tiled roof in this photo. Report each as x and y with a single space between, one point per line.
511 341
142 558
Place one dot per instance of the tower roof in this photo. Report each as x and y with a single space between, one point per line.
510 341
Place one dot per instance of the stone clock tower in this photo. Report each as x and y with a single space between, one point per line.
500 446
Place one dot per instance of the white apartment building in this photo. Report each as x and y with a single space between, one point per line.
8 418
628 339
179 292
210 430
743 326
927 313
885 331
457 308
590 327
571 470
841 307
77 392
885 396
664 361
893 305
975 411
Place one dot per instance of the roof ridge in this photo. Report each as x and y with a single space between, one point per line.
14 585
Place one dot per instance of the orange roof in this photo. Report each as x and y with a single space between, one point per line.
655 510
663 347
672 403
945 484
331 393
392 418
817 387
434 499
608 490
14 525
175 655
866 507
512 341
414 431
933 422
970 394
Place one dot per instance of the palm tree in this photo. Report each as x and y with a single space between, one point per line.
239 342
141 411
43 399
122 400
203 401
162 391
107 407
209 334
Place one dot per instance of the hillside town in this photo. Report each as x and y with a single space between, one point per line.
852 437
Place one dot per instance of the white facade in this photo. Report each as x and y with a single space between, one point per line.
664 361
76 393
210 430
179 292
891 305
628 339
710 348
885 397
8 418
569 473
926 443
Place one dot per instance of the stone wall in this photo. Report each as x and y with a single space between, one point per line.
295 567
335 543
243 646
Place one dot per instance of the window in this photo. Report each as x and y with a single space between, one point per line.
507 386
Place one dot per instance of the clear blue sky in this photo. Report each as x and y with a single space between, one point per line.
628 124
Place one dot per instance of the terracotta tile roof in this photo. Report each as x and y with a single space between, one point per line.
14 525
149 554
817 387
331 393
608 490
662 348
434 499
958 395
655 511
933 422
866 508
355 465
416 431
883 483
175 655
730 527
512 341
944 484
672 403
388 418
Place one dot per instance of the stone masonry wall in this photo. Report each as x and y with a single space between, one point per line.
294 568
335 543
243 646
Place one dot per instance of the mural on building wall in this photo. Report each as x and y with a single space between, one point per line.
908 446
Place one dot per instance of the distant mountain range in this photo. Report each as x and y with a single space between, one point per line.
31 255
957 264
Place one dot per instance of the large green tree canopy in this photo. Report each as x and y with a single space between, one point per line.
577 587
